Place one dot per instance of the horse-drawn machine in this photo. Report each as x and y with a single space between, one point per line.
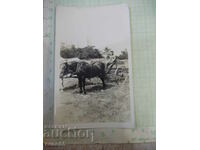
82 70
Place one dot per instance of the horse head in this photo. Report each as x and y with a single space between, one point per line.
67 68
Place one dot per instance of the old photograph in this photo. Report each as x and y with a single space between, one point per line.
93 79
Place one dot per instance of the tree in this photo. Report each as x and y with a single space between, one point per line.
124 54
87 52
108 53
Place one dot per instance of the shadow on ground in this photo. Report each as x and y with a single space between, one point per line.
89 87
98 88
74 86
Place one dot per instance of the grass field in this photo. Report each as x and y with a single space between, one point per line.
109 105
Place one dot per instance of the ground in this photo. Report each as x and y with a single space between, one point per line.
109 105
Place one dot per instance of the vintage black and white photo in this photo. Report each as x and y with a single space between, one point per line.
93 67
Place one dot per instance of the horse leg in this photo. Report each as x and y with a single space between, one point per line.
62 83
80 84
84 85
102 79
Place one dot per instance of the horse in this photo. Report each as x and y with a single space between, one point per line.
83 70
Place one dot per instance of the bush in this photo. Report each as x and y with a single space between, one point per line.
123 55
88 52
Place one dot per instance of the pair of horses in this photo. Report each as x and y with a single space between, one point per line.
83 70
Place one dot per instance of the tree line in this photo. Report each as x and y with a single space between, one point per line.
89 52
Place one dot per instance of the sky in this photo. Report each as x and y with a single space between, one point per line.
105 26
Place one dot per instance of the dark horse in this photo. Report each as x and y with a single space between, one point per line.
83 70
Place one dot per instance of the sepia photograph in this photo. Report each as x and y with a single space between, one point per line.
93 81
